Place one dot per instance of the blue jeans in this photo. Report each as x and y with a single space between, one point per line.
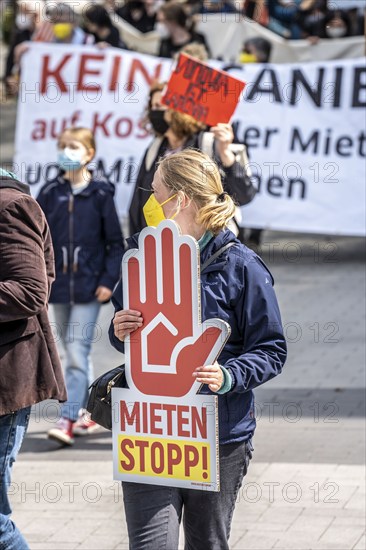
76 327
12 430
153 512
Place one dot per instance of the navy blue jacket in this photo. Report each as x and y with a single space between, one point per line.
237 288
87 238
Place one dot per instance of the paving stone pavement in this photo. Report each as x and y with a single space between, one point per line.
305 489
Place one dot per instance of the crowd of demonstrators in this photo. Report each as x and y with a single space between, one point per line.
30 370
314 19
174 20
88 246
236 287
292 19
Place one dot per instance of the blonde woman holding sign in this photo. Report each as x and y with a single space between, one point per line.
236 287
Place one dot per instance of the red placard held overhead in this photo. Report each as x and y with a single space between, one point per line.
208 95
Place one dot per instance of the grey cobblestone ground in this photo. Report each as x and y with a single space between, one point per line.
305 489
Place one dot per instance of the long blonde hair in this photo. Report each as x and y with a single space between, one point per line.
198 177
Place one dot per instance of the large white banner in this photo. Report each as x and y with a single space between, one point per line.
303 125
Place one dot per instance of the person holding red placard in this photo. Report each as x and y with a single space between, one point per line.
237 288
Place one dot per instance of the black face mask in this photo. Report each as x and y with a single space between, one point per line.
158 122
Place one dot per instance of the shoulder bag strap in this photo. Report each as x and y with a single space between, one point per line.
216 255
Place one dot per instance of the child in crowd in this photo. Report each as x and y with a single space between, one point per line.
88 246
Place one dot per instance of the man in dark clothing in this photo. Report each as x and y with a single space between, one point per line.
30 369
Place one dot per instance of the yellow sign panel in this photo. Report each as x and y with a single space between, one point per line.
176 459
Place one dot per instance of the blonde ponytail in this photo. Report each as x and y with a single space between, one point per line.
215 216
198 177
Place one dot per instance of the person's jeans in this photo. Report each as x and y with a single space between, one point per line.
12 430
153 512
76 328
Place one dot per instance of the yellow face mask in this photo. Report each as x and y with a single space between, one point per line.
247 58
62 30
153 211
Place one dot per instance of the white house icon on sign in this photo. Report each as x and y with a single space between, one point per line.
160 319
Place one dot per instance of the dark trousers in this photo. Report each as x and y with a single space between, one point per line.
154 513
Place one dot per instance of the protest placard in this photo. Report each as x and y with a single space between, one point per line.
163 432
302 125
207 94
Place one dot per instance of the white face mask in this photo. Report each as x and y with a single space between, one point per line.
335 32
162 30
70 159
23 21
75 155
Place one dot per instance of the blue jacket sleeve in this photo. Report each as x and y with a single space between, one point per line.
118 305
264 348
114 243
42 200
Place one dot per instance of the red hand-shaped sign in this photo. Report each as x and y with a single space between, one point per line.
161 280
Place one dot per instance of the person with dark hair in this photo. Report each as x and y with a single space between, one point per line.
337 24
176 30
256 50
99 23
141 14
310 17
